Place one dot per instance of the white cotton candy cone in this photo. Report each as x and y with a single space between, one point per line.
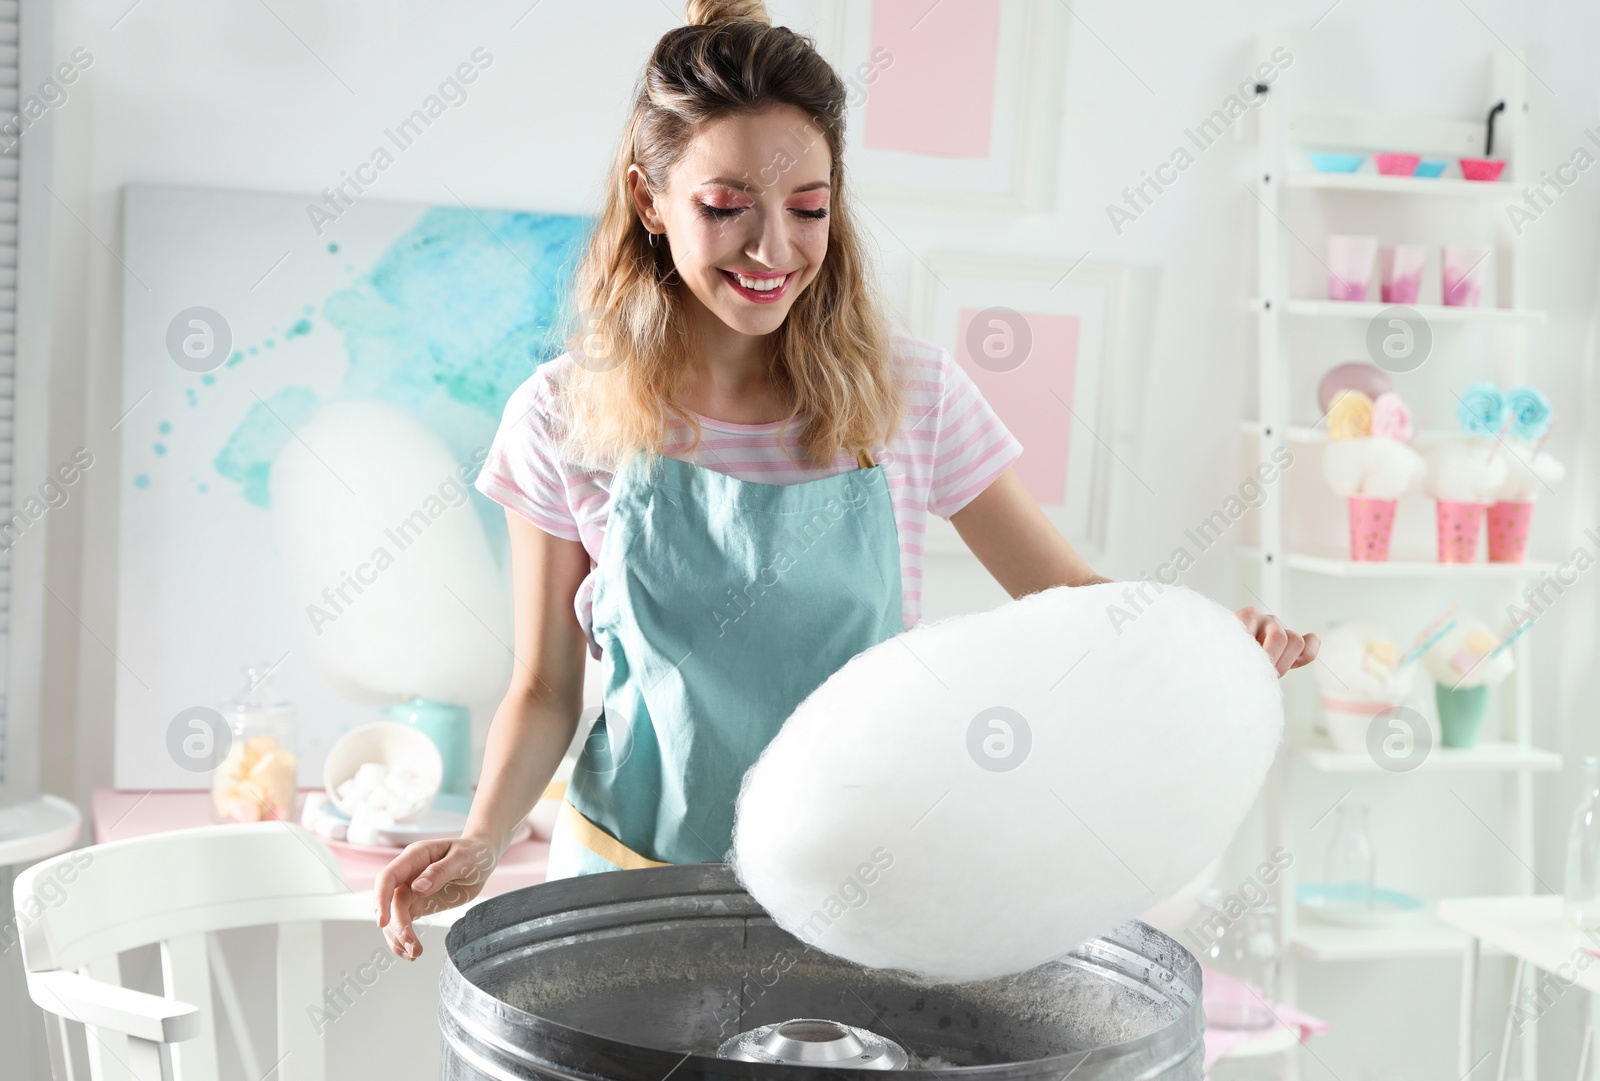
366 496
981 794
1529 473
1466 472
1373 468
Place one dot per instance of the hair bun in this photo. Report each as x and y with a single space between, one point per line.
710 12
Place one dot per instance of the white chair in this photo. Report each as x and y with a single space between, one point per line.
76 912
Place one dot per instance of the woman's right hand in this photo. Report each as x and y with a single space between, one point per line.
429 876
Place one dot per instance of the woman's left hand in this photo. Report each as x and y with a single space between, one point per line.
1285 648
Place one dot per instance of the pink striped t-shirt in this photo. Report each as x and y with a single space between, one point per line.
950 446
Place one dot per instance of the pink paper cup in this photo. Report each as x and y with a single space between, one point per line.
1371 526
1459 526
1509 523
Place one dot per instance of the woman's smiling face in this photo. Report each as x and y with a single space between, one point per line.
746 214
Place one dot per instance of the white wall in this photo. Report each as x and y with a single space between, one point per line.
233 95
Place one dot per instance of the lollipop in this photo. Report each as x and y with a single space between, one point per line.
1350 415
1482 410
1529 411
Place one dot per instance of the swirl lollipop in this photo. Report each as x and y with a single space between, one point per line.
1529 413
1391 418
1482 410
1350 415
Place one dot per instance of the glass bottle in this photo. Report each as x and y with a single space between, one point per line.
1351 870
1582 889
1243 947
256 779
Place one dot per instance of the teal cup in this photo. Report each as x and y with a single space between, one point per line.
450 728
1461 713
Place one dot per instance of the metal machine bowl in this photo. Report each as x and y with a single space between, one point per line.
638 975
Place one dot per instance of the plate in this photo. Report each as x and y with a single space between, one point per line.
446 818
1389 907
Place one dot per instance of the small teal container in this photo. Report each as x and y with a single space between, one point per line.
1430 167
1325 161
450 728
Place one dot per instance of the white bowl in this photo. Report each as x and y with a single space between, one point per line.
1348 721
391 745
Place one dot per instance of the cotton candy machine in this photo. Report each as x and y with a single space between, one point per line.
638 975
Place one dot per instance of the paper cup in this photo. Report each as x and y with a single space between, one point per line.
1371 526
1400 273
1461 713
1350 260
1348 720
1509 523
1459 526
1462 274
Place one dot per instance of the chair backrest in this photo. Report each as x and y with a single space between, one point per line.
76 912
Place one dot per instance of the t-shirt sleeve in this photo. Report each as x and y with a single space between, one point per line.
524 469
973 445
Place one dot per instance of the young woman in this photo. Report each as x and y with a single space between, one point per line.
794 446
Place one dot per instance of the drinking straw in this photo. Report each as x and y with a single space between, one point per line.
1430 634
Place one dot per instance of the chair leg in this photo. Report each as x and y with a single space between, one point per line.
1511 1016
59 1041
144 1060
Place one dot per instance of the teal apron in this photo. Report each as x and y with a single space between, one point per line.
719 604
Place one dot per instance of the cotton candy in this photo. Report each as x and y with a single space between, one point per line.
1464 471
1529 472
978 795
1374 468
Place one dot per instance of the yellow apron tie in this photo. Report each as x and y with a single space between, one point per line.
601 843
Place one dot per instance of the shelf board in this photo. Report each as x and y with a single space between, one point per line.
1487 756
1421 936
1300 433
1377 183
1433 313
1342 567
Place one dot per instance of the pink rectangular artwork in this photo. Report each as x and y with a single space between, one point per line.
936 96
1033 396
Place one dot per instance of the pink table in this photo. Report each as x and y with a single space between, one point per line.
118 815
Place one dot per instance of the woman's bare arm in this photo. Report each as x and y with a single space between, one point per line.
537 718
1013 539
530 732
1025 552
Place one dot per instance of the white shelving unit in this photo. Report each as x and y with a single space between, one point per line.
1283 131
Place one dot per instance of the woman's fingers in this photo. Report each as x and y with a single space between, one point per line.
1308 651
1284 647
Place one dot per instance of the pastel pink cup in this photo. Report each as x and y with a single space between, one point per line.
1397 164
1459 526
1371 526
1462 274
1350 262
1400 272
1510 521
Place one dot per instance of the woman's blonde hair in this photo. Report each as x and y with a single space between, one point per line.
628 328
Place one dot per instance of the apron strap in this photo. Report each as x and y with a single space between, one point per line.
601 843
864 457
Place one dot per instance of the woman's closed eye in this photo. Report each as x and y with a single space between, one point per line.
721 213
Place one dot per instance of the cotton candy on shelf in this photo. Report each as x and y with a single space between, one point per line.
981 794
1358 660
1375 468
1466 471
1529 472
1458 659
